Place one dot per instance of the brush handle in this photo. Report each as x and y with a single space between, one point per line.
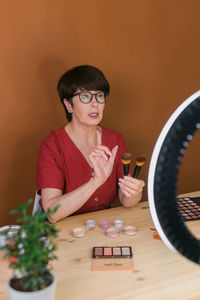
136 171
126 169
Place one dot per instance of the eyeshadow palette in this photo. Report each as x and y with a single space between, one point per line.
118 258
189 208
112 252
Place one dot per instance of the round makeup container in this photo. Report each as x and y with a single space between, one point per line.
105 225
90 223
112 232
129 230
118 223
12 231
78 232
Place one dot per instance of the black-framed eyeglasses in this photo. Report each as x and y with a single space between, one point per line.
86 97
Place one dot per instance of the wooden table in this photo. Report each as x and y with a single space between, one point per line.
159 274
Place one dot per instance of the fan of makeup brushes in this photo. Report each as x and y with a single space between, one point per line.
126 160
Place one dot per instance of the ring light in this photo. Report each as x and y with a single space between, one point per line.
163 174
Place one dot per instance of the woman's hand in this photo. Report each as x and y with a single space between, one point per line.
131 186
102 160
130 190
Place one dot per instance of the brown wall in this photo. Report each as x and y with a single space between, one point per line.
149 50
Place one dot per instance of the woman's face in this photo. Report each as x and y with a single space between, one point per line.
89 114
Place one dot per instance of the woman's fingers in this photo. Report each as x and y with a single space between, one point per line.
114 152
100 146
131 184
99 142
105 149
109 155
124 191
124 188
101 161
94 159
100 152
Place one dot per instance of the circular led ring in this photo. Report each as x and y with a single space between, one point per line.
163 174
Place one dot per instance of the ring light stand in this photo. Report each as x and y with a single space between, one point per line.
163 174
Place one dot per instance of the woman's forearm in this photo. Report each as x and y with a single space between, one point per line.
68 203
102 160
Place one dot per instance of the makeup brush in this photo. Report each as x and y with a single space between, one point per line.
140 160
126 160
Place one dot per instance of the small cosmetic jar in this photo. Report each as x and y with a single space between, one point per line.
12 231
129 230
105 225
79 232
90 223
112 232
118 223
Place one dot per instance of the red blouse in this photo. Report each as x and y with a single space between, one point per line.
61 165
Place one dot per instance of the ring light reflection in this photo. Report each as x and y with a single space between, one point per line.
163 176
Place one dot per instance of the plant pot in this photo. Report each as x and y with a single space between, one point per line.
46 294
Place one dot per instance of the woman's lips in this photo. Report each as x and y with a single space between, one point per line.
93 115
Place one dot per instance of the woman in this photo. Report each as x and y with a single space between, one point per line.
79 166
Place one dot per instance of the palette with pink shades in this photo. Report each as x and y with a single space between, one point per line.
114 252
189 208
118 258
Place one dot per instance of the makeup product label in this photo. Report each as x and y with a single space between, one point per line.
118 258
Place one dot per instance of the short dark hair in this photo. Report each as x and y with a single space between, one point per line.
82 77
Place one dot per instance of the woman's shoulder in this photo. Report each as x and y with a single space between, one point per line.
112 137
111 132
54 137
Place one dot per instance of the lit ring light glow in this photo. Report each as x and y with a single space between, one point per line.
163 176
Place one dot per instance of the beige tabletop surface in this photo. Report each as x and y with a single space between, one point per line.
159 274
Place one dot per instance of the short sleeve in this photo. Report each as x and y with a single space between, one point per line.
49 172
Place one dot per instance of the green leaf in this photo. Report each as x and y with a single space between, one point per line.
32 245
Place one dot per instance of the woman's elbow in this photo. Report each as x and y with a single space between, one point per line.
52 219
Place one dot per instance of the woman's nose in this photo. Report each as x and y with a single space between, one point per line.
94 101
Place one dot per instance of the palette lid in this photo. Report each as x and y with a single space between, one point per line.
162 178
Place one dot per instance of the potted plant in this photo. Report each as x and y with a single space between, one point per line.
29 250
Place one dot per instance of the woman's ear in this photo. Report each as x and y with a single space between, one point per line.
68 106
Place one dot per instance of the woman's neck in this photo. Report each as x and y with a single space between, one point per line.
86 135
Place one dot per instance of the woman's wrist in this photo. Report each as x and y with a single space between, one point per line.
129 201
96 182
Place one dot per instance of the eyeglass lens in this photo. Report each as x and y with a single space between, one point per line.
86 97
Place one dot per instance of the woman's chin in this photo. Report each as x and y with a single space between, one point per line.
94 121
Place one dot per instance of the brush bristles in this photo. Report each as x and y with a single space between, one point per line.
140 160
126 158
